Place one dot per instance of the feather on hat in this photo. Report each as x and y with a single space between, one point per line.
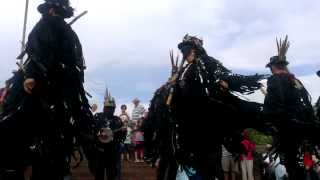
282 47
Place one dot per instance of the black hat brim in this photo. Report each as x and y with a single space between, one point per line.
284 63
185 45
185 48
44 8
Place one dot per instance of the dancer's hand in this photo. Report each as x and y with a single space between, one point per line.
76 159
173 79
94 108
224 86
28 85
157 163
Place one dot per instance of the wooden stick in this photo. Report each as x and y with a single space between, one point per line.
23 41
78 17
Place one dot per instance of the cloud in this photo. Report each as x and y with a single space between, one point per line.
256 24
126 43
312 84
145 86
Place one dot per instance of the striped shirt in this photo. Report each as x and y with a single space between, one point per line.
225 152
137 113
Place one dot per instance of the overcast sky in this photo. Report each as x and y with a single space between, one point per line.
126 42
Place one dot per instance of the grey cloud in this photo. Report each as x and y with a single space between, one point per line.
138 34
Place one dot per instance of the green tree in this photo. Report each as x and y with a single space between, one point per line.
259 138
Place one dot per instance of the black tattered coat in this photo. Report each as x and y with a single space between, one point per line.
51 117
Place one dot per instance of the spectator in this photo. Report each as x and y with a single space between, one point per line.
138 142
124 115
269 162
315 159
138 110
229 164
280 170
127 142
246 156
310 174
274 168
258 165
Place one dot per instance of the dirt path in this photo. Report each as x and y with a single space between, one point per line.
130 171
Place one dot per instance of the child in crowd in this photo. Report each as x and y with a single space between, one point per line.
124 115
138 142
127 142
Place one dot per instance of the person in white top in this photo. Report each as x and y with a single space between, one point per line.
138 110
275 169
127 142
229 164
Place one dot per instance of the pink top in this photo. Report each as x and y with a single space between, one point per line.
249 148
138 137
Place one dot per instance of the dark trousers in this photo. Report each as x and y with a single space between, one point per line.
289 150
167 168
53 168
108 162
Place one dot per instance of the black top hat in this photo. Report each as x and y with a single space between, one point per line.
318 73
62 6
275 60
191 42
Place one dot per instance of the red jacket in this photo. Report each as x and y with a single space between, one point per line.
249 147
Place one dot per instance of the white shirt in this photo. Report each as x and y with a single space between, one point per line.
280 171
